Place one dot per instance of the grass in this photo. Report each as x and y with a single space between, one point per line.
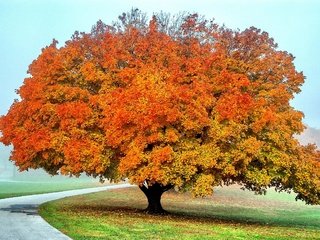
21 188
229 214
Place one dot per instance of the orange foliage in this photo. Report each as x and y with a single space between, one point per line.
184 103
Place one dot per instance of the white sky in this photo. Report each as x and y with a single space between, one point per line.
28 26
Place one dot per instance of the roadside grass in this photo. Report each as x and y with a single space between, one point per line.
21 188
229 214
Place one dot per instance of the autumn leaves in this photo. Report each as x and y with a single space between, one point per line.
175 101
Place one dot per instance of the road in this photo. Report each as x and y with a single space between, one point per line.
19 219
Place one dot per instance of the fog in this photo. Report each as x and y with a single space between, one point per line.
310 135
9 172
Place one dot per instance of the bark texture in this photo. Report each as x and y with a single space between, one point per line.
153 193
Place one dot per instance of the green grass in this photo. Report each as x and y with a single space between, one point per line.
229 214
14 189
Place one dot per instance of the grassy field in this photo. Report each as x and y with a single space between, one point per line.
229 214
21 188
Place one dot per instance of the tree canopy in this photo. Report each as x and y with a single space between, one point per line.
177 101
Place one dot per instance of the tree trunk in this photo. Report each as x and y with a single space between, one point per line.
153 194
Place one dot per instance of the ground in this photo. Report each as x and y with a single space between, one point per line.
229 214
10 188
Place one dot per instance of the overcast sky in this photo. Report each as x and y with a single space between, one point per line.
28 26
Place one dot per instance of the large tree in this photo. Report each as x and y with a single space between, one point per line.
176 102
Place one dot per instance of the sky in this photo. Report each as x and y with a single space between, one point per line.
28 26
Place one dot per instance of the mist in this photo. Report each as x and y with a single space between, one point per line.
310 135
9 172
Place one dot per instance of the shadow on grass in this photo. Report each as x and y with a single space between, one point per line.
238 215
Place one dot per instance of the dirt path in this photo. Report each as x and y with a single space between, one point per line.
19 219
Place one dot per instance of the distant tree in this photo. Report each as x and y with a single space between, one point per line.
176 102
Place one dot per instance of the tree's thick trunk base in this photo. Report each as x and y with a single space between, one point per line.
155 211
153 194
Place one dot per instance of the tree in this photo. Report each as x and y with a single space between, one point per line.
177 102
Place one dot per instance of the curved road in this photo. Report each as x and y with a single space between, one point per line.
19 219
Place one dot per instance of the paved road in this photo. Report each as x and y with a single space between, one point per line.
19 219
